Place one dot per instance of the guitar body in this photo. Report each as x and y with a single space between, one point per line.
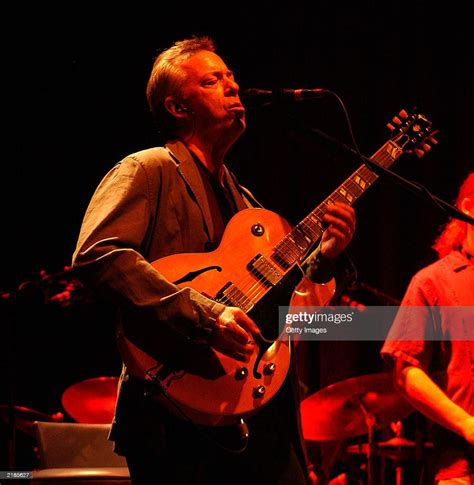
214 389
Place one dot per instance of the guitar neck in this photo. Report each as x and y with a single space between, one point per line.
296 245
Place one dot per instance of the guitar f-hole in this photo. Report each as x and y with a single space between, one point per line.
194 274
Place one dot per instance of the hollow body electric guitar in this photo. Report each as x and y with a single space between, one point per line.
256 268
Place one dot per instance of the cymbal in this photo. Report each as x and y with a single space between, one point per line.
397 442
337 411
91 401
394 443
400 448
26 417
396 449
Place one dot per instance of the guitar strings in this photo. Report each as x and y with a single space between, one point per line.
254 287
313 228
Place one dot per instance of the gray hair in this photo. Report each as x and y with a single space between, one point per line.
167 78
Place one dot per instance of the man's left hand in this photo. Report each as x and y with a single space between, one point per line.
340 221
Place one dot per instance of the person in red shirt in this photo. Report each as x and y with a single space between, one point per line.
431 345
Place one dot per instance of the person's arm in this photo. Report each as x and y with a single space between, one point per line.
109 251
110 262
425 396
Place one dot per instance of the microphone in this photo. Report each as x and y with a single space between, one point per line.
261 96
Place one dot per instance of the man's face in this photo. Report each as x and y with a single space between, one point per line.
211 93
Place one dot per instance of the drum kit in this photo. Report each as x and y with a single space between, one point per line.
360 406
354 407
89 402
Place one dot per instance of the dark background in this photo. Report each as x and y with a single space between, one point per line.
78 80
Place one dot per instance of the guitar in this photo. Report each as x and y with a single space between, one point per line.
256 268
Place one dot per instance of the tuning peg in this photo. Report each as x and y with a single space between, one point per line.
432 139
419 152
397 120
403 114
390 126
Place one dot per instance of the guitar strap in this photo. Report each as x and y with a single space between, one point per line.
246 195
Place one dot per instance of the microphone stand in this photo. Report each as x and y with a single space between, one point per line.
418 189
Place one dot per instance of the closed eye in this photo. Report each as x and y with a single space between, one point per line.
210 82
217 77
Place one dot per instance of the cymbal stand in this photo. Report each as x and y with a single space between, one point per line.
397 429
370 421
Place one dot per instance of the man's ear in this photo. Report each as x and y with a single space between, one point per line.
467 205
175 107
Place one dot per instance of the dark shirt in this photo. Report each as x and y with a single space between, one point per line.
221 204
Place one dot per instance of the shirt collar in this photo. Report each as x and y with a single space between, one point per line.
459 260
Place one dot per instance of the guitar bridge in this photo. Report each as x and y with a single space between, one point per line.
229 294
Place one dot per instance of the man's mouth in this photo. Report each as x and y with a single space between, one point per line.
235 107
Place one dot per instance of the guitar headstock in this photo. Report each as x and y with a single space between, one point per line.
413 132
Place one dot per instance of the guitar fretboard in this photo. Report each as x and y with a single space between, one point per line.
294 246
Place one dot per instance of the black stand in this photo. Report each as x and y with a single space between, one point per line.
10 307
9 326
371 421
413 187
43 291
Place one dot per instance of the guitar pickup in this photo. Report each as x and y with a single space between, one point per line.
264 270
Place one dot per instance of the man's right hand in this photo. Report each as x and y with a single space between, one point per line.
234 334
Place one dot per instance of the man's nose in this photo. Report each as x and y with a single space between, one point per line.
232 88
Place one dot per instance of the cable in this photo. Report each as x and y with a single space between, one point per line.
242 426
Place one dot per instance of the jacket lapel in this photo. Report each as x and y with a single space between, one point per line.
186 168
